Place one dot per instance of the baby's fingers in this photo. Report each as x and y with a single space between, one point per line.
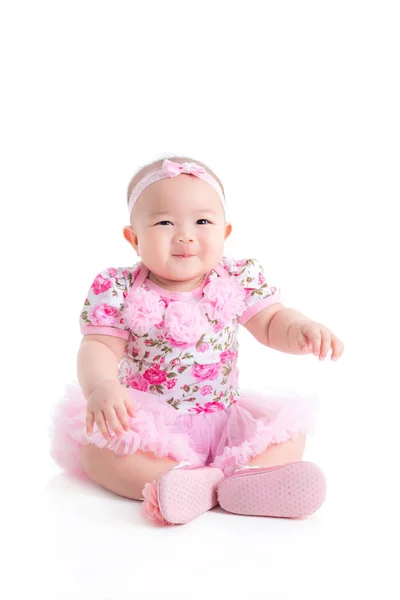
302 342
325 345
312 339
101 424
112 420
129 407
315 340
309 339
337 348
89 423
123 417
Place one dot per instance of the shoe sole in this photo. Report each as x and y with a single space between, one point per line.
293 490
186 493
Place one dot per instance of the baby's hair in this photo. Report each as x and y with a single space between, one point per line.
158 163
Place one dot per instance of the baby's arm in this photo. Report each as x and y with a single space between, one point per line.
279 326
271 324
108 402
290 331
98 360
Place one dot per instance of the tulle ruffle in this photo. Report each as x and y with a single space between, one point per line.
257 422
227 439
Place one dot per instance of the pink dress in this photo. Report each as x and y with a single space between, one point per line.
180 367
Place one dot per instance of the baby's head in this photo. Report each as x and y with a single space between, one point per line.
178 224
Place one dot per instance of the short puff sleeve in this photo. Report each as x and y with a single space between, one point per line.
249 273
102 312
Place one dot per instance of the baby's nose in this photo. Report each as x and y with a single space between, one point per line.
185 236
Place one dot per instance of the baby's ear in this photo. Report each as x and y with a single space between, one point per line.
131 237
228 230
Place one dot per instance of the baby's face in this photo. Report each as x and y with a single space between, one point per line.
178 228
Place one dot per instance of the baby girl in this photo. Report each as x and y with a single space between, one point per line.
158 415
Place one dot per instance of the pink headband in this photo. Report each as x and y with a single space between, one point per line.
172 169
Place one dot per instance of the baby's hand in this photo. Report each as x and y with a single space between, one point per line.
308 336
109 403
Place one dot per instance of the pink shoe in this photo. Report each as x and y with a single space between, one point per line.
181 495
293 490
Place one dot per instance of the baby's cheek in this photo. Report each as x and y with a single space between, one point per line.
156 242
213 238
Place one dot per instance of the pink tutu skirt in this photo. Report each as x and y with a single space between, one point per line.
227 438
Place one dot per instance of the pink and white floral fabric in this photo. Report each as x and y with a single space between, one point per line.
180 346
180 369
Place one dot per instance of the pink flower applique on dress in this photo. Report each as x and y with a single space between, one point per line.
150 507
223 300
143 309
185 322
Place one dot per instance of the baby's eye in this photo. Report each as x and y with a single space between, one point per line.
163 222
206 220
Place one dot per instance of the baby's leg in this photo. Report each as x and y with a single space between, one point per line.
292 489
183 496
280 454
125 475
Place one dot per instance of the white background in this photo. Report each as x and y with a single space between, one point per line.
295 105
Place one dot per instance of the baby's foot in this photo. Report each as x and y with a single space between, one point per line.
293 490
181 495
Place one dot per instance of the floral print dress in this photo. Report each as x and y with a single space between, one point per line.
180 369
180 346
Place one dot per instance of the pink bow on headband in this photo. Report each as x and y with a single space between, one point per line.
173 169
